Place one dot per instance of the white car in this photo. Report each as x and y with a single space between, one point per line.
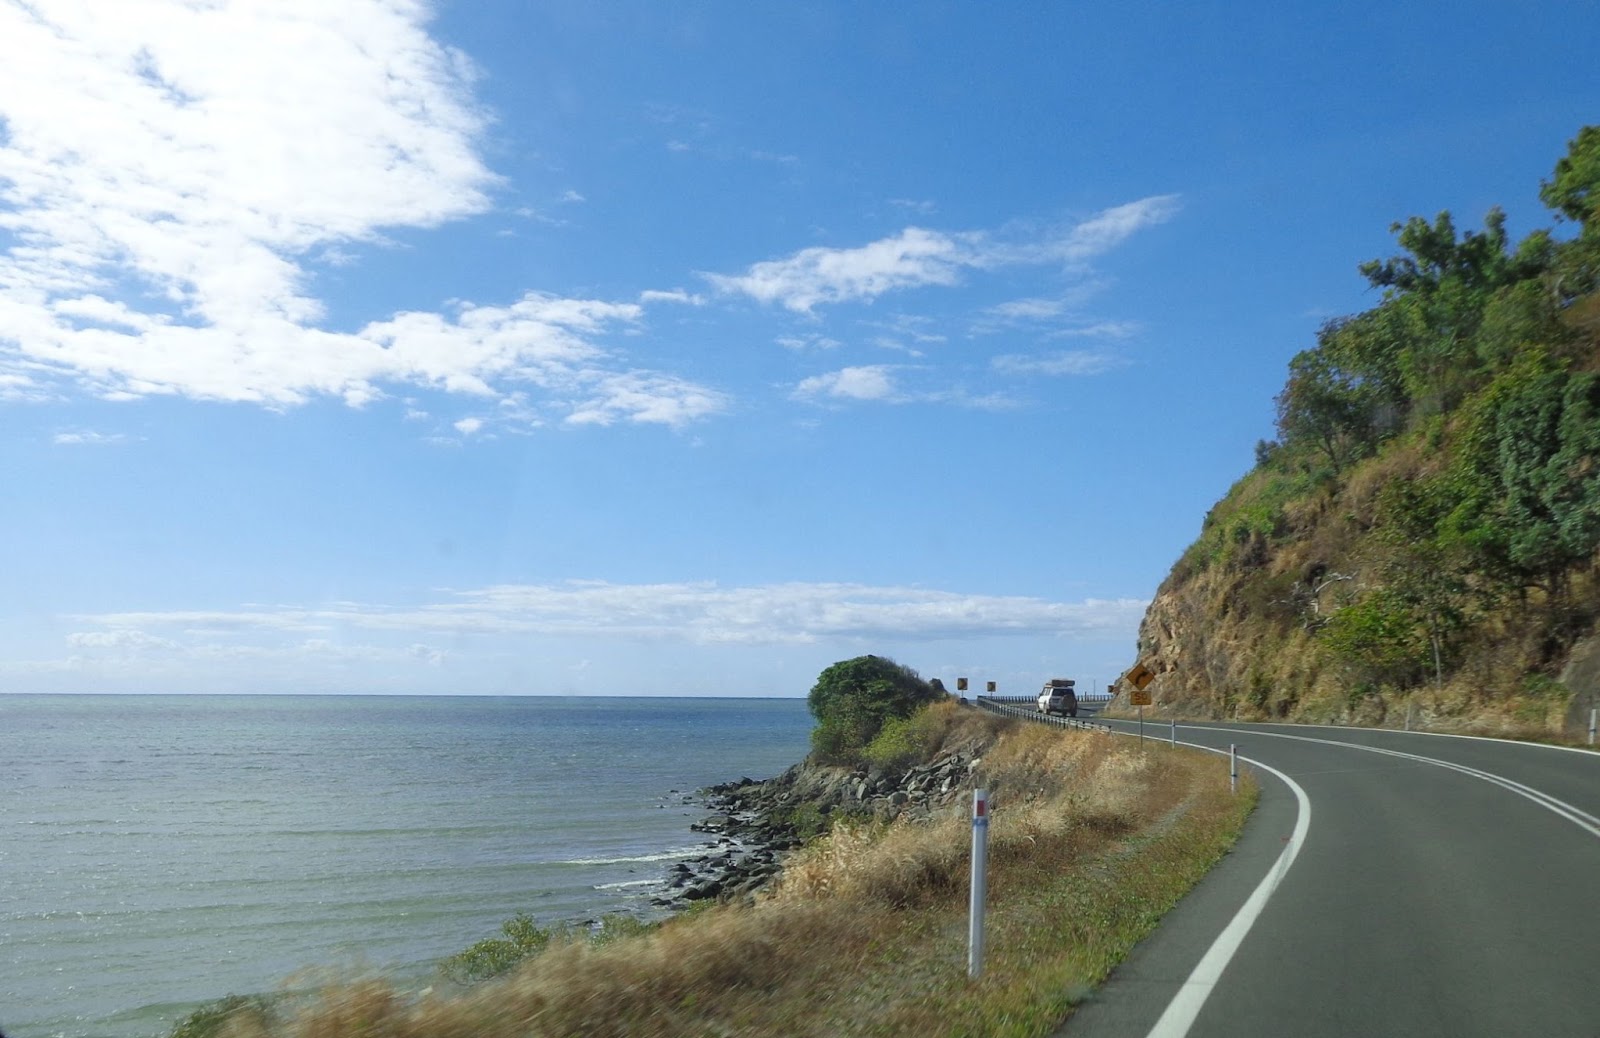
1058 697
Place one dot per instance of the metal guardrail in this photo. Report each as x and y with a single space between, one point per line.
1083 697
1003 705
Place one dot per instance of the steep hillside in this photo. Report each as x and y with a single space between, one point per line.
1422 535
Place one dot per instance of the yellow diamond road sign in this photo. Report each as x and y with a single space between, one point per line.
1140 676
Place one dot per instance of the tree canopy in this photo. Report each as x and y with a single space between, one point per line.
853 699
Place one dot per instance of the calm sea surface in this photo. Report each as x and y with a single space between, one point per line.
157 852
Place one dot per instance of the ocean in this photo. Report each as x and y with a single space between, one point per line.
159 852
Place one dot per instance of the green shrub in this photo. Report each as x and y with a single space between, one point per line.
853 699
905 740
805 818
614 926
1379 640
207 1021
493 956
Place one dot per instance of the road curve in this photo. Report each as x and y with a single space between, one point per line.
1443 886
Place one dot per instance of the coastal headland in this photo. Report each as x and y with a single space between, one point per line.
837 904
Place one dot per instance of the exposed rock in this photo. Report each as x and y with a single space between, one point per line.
753 830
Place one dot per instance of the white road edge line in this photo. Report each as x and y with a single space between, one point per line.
1185 1006
1587 751
1197 987
1576 815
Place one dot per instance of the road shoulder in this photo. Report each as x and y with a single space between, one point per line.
1138 991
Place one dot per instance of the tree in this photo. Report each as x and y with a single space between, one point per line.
853 699
1325 408
1379 640
1423 572
1573 191
1529 475
1440 288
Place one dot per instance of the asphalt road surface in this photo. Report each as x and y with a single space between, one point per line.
1388 884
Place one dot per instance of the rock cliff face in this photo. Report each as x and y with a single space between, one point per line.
1582 675
1423 537
1241 627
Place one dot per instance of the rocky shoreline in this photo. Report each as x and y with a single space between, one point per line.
755 825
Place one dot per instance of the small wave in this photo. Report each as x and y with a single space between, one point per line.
629 883
686 852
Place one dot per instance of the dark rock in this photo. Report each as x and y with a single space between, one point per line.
702 890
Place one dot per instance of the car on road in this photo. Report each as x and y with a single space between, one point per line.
1059 697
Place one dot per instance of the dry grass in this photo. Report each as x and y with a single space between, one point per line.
1091 841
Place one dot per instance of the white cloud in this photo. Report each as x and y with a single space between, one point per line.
88 438
427 654
171 171
883 384
807 342
644 397
468 426
676 295
907 326
1071 362
1096 330
572 197
17 387
1111 227
918 257
700 612
775 157
816 275
979 402
120 640
884 342
1028 309
866 382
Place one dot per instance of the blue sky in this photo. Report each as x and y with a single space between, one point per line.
503 348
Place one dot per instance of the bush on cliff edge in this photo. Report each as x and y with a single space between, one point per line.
853 700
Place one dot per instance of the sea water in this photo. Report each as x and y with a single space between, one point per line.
159 852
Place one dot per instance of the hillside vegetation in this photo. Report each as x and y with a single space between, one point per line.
1422 534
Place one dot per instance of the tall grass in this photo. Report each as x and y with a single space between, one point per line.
1091 840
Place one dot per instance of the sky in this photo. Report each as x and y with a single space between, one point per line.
488 347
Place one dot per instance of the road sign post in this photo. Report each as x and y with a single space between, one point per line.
1233 768
980 849
1140 696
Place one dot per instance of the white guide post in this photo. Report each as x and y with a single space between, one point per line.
1174 732
1593 712
980 881
1233 768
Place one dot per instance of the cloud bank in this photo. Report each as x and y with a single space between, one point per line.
698 612
171 175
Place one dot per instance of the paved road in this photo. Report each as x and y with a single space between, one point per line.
1442 886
